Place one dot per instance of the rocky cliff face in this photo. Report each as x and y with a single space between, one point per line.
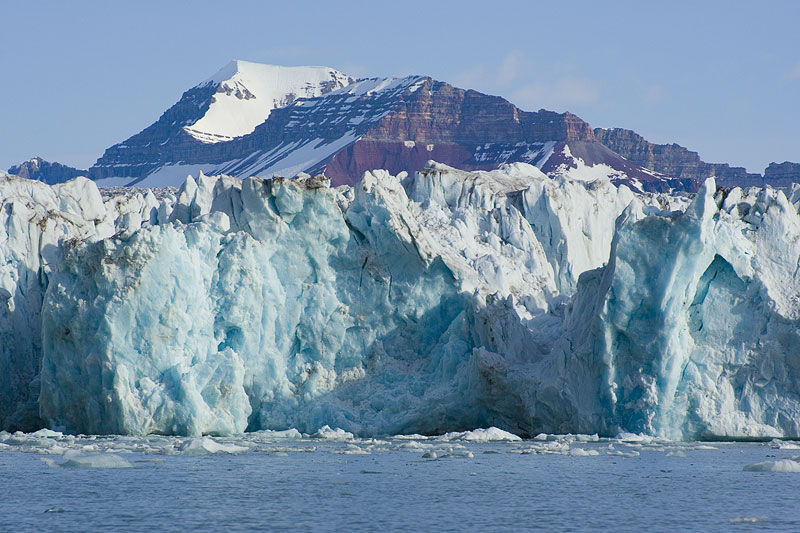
677 161
461 128
40 170
782 174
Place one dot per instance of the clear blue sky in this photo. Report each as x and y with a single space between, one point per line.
720 77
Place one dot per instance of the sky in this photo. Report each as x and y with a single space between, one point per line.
721 78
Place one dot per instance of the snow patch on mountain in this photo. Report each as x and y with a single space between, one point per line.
248 92
371 86
576 168
291 158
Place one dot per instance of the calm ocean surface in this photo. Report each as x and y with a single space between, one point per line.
271 481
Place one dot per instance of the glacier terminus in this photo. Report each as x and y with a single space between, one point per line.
442 300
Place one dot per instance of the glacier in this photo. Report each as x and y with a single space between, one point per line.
436 302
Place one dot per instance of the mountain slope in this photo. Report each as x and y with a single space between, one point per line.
230 103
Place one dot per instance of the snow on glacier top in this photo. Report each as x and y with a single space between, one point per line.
247 93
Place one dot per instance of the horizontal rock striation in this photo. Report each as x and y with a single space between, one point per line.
678 162
400 124
782 174
165 141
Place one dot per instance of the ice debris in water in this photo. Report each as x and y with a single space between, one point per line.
480 435
79 459
325 432
781 465
416 303
270 435
84 450
581 452
44 432
676 453
784 444
747 519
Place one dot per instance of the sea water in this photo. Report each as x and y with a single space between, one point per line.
334 482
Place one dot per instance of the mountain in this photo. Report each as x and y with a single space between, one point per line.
251 119
38 169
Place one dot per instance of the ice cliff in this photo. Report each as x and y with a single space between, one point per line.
432 302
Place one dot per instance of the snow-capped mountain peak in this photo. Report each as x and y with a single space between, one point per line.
246 94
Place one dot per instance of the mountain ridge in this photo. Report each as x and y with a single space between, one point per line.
674 159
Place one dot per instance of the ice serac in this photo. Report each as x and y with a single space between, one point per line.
35 219
703 338
280 303
277 312
692 330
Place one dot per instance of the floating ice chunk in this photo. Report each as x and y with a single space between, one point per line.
784 445
207 445
47 433
619 453
781 465
79 459
285 450
325 432
412 437
480 435
676 453
547 448
747 519
581 452
634 437
351 449
268 435
414 446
